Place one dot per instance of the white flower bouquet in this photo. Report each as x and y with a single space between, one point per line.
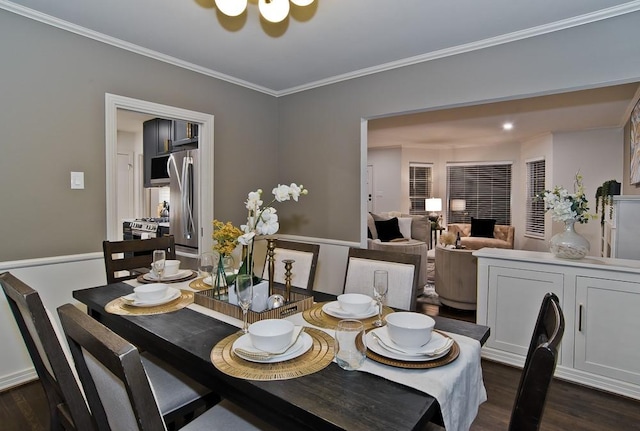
565 206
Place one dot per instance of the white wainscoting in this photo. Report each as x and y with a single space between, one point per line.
56 278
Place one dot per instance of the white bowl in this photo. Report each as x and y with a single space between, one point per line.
171 267
271 335
354 303
151 292
408 329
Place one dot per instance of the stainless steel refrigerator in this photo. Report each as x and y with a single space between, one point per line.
184 187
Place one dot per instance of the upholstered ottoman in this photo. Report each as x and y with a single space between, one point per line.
411 246
456 277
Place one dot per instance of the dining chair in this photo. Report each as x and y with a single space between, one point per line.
403 269
124 260
303 270
119 392
46 346
539 366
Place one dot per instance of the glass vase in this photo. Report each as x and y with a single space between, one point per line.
220 283
569 244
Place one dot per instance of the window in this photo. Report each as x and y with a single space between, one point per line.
479 191
535 208
419 186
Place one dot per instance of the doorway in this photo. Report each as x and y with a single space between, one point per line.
113 103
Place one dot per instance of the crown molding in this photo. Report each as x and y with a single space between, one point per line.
612 12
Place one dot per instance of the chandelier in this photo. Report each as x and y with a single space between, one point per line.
271 10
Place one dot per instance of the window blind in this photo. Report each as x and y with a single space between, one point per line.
535 208
420 186
485 189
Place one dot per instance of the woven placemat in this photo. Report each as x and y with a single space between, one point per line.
319 318
446 359
141 279
199 284
118 306
315 359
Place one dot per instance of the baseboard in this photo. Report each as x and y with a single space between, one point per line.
16 379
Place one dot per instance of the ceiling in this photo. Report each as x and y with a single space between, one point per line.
328 41
334 40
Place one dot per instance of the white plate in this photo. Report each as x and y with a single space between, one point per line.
150 276
437 340
207 280
172 294
303 344
333 309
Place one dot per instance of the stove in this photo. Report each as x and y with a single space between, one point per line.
145 228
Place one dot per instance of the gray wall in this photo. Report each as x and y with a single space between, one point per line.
52 122
52 93
323 125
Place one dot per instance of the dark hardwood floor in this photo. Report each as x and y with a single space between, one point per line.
569 406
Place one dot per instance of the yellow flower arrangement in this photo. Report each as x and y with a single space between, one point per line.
226 237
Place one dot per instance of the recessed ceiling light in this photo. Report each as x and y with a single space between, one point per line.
507 126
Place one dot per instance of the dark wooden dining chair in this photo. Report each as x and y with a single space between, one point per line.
117 387
124 260
539 366
403 269
303 272
67 407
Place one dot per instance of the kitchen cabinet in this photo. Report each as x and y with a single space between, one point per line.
600 299
184 132
156 140
620 231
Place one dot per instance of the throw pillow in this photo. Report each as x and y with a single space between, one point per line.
388 229
420 227
482 227
372 226
404 223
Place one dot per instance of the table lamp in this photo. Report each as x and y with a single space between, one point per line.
433 206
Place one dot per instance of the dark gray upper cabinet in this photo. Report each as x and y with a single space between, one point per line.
184 133
156 141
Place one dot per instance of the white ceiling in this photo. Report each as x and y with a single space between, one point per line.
334 40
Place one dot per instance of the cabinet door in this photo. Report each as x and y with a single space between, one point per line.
607 340
514 301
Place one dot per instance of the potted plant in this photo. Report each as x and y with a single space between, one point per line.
604 195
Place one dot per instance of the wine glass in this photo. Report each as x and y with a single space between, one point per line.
244 292
206 263
380 287
159 258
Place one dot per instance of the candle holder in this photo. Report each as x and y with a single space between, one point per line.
288 264
271 247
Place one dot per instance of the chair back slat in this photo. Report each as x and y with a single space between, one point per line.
303 271
539 366
124 260
403 269
67 406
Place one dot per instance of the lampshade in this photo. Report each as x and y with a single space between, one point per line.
274 10
458 204
231 7
433 204
302 2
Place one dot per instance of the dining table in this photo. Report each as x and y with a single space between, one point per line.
329 399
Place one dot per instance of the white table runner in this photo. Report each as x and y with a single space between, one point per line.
457 386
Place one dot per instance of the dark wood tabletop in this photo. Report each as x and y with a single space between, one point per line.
331 399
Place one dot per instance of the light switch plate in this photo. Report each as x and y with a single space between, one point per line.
77 180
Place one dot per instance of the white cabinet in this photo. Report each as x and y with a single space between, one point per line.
621 229
600 299
607 338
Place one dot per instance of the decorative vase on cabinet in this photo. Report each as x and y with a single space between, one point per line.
569 244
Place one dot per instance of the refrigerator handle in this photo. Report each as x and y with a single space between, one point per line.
187 197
